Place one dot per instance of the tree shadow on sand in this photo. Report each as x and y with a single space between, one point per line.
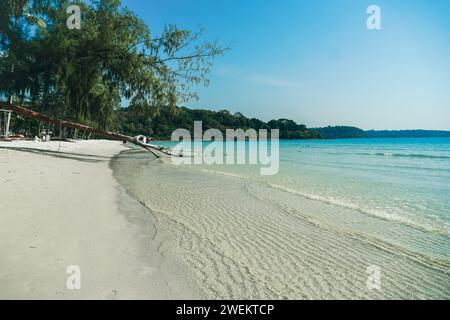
60 154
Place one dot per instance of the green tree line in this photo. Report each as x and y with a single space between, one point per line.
160 123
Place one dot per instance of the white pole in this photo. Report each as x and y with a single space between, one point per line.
7 125
5 117
60 135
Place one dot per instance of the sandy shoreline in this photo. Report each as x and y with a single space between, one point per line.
62 208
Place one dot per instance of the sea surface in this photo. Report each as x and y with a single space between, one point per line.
335 211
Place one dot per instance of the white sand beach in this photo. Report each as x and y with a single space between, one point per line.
61 208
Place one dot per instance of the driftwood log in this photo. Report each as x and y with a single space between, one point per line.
27 113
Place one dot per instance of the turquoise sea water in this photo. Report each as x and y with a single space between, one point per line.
334 208
406 180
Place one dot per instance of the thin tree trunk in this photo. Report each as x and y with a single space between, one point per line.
8 119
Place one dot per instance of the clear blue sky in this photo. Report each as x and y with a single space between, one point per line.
317 63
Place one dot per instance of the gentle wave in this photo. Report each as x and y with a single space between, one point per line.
391 154
406 155
343 204
381 244
377 213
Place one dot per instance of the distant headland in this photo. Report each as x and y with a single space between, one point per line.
162 122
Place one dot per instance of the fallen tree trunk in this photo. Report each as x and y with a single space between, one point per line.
27 113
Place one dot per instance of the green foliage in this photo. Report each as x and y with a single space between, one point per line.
291 130
160 123
340 132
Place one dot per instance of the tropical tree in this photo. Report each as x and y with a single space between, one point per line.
16 19
85 75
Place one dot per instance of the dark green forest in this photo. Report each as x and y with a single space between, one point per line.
340 132
159 123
